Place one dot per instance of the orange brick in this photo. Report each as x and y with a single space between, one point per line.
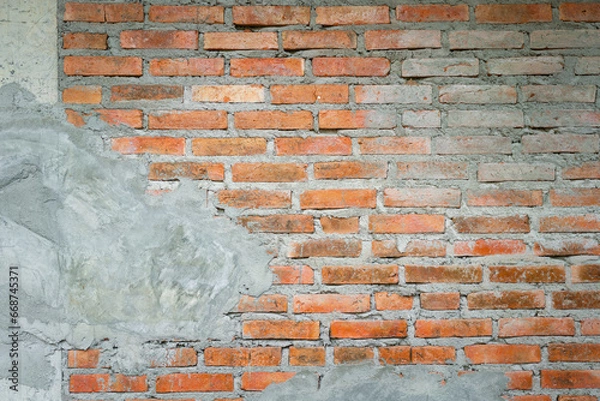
240 41
178 357
307 356
358 329
334 248
255 199
153 145
356 119
281 329
584 246
432 13
281 120
194 382
297 40
396 355
391 301
588 273
588 223
414 248
271 15
124 12
406 224
145 39
121 93
589 170
268 172
395 146
278 223
82 94
503 353
513 13
339 225
292 275
188 120
373 274
350 66
443 274
570 379
228 93
83 359
574 352
331 145
84 12
352 15
259 67
575 197
103 383
453 328
338 199
169 171
507 300
491 225
132 118
110 66
76 118
258 381
590 327
440 301
527 274
580 12
486 247
262 356
577 398
263 303
329 303
228 146
290 94
351 355
99 12
576 299
430 355
502 197
192 67
187 14
519 380
85 40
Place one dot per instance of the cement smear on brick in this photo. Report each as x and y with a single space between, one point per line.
367 383
99 258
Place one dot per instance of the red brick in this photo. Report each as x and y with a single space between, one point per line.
330 303
487 247
240 41
396 355
358 329
352 15
395 146
414 248
271 15
153 145
281 329
83 359
258 381
587 223
261 67
84 12
583 171
352 355
141 39
453 328
339 225
194 382
391 301
472 145
126 12
228 146
255 199
103 383
421 197
432 170
580 12
513 13
264 303
583 246
281 120
297 40
590 327
373 274
350 66
574 352
132 118
443 274
349 170
491 224
290 94
406 224
167 171
432 355
432 13
192 67
292 275
465 40
268 172
527 274
570 379
324 145
531 398
503 353
110 66
507 300
261 356
519 380
307 356
536 326
576 299
333 248
577 398
82 94
76 118
405 39
440 300
338 199
539 65
504 197
85 40
132 92
575 197
356 119
278 223
588 273
99 12
187 14
188 120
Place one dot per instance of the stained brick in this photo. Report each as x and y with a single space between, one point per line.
478 94
261 67
110 66
192 67
472 145
228 146
465 40
85 40
564 39
432 13
255 199
307 356
507 300
395 145
536 326
339 225
356 119
495 172
352 355
352 15
281 329
393 94
258 381
288 275
146 39
491 224
240 41
373 274
290 94
422 197
440 300
154 145
568 379
541 65
406 224
338 199
270 15
587 273
283 224
186 14
576 299
350 66
580 12
391 301
453 328
299 40
443 274
332 145
440 67
330 303
504 197
349 170
167 171
334 248
527 274
432 170
268 172
513 13
188 120
414 248
133 92
413 39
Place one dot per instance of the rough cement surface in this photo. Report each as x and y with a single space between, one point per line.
367 383
99 258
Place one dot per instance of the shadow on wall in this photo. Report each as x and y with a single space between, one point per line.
99 258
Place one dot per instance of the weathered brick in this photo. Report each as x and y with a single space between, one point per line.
240 41
186 14
485 118
575 197
570 247
440 301
494 172
134 92
268 172
503 353
82 94
255 199
393 94
583 171
307 356
421 118
373 274
559 93
453 328
570 379
349 170
288 275
590 327
432 170
356 119
330 303
358 329
265 67
290 94
132 118
339 225
491 224
587 273
110 66
265 303
338 199
83 359
576 299
536 326
588 223
228 146
580 12
146 39
332 145
421 197
350 66
414 248
465 40
488 247
228 93
177 358
512 13
99 12
258 381
472 145
405 39
299 40
188 120
167 171
333 248
507 300
192 67
281 329
577 398
432 13
262 356
271 15
443 274
540 65
478 94
564 118
519 380
105 383
560 143
281 120
396 355
75 118
391 301
432 355
527 274
85 40
406 224
294 223
352 15
153 145
504 197
564 39
352 355
386 145
194 382
440 67
587 66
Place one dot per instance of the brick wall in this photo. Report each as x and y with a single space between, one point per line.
425 176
